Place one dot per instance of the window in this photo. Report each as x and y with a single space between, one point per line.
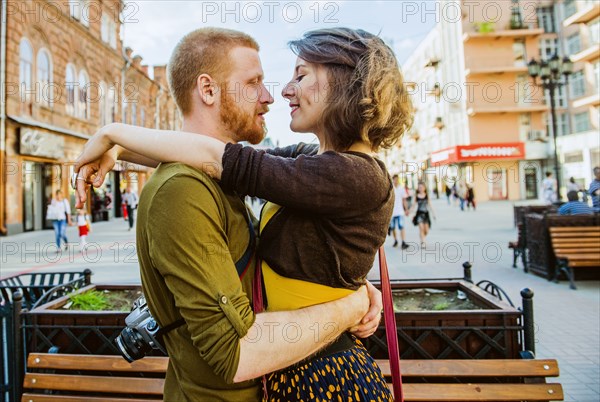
577 84
143 117
560 97
133 114
597 76
570 8
520 57
582 122
573 157
25 68
573 44
83 99
594 27
102 104
562 124
44 76
104 27
546 19
79 10
70 85
111 105
548 48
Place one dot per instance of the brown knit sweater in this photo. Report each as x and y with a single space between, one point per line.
336 209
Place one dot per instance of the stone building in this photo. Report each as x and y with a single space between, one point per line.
65 73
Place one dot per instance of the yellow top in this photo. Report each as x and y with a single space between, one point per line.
290 294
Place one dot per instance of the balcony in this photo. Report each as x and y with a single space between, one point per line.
483 66
587 100
587 13
588 54
505 33
514 108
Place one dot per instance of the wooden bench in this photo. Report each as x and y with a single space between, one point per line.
518 247
575 247
83 378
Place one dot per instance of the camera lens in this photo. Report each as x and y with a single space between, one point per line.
131 344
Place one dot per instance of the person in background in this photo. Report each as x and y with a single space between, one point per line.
448 192
130 199
423 207
61 217
572 186
549 189
461 192
470 197
84 226
574 206
399 212
594 190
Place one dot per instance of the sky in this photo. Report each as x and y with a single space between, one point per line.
153 28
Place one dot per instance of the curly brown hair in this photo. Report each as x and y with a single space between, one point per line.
367 98
203 51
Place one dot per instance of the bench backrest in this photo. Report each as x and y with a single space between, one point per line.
86 378
582 239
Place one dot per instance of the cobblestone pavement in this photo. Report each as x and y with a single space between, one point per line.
567 321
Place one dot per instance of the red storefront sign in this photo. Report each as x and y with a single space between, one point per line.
478 152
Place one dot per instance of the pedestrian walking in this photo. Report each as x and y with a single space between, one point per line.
422 205
59 212
399 212
448 192
84 226
549 189
461 192
470 197
130 199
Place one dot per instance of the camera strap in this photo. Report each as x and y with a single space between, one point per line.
241 267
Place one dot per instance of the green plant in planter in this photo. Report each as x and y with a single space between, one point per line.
485 27
89 301
441 306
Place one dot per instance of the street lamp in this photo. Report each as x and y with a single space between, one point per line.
550 73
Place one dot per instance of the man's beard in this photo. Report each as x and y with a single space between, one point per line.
242 125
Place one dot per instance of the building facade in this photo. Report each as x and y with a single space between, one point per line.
479 117
65 74
579 147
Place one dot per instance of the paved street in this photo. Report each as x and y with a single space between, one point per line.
567 321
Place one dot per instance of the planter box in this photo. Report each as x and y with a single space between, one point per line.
72 331
494 332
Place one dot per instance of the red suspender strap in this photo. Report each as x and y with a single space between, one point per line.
390 327
258 305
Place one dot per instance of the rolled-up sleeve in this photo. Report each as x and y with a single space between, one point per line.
193 257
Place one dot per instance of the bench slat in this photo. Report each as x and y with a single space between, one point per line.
70 398
568 250
578 229
124 385
481 392
474 368
148 364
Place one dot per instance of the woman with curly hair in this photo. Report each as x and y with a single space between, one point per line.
329 204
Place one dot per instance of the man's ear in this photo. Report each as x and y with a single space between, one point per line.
207 89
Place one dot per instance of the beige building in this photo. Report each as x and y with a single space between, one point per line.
64 74
479 118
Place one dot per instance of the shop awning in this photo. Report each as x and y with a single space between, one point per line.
478 152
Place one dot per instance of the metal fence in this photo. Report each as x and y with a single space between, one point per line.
19 293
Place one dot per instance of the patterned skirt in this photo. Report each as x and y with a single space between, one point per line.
348 376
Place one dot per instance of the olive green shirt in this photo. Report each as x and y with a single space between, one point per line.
189 235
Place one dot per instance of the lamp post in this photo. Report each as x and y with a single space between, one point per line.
550 73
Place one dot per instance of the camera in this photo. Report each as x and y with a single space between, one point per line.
141 334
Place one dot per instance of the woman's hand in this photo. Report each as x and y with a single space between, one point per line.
370 322
93 173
